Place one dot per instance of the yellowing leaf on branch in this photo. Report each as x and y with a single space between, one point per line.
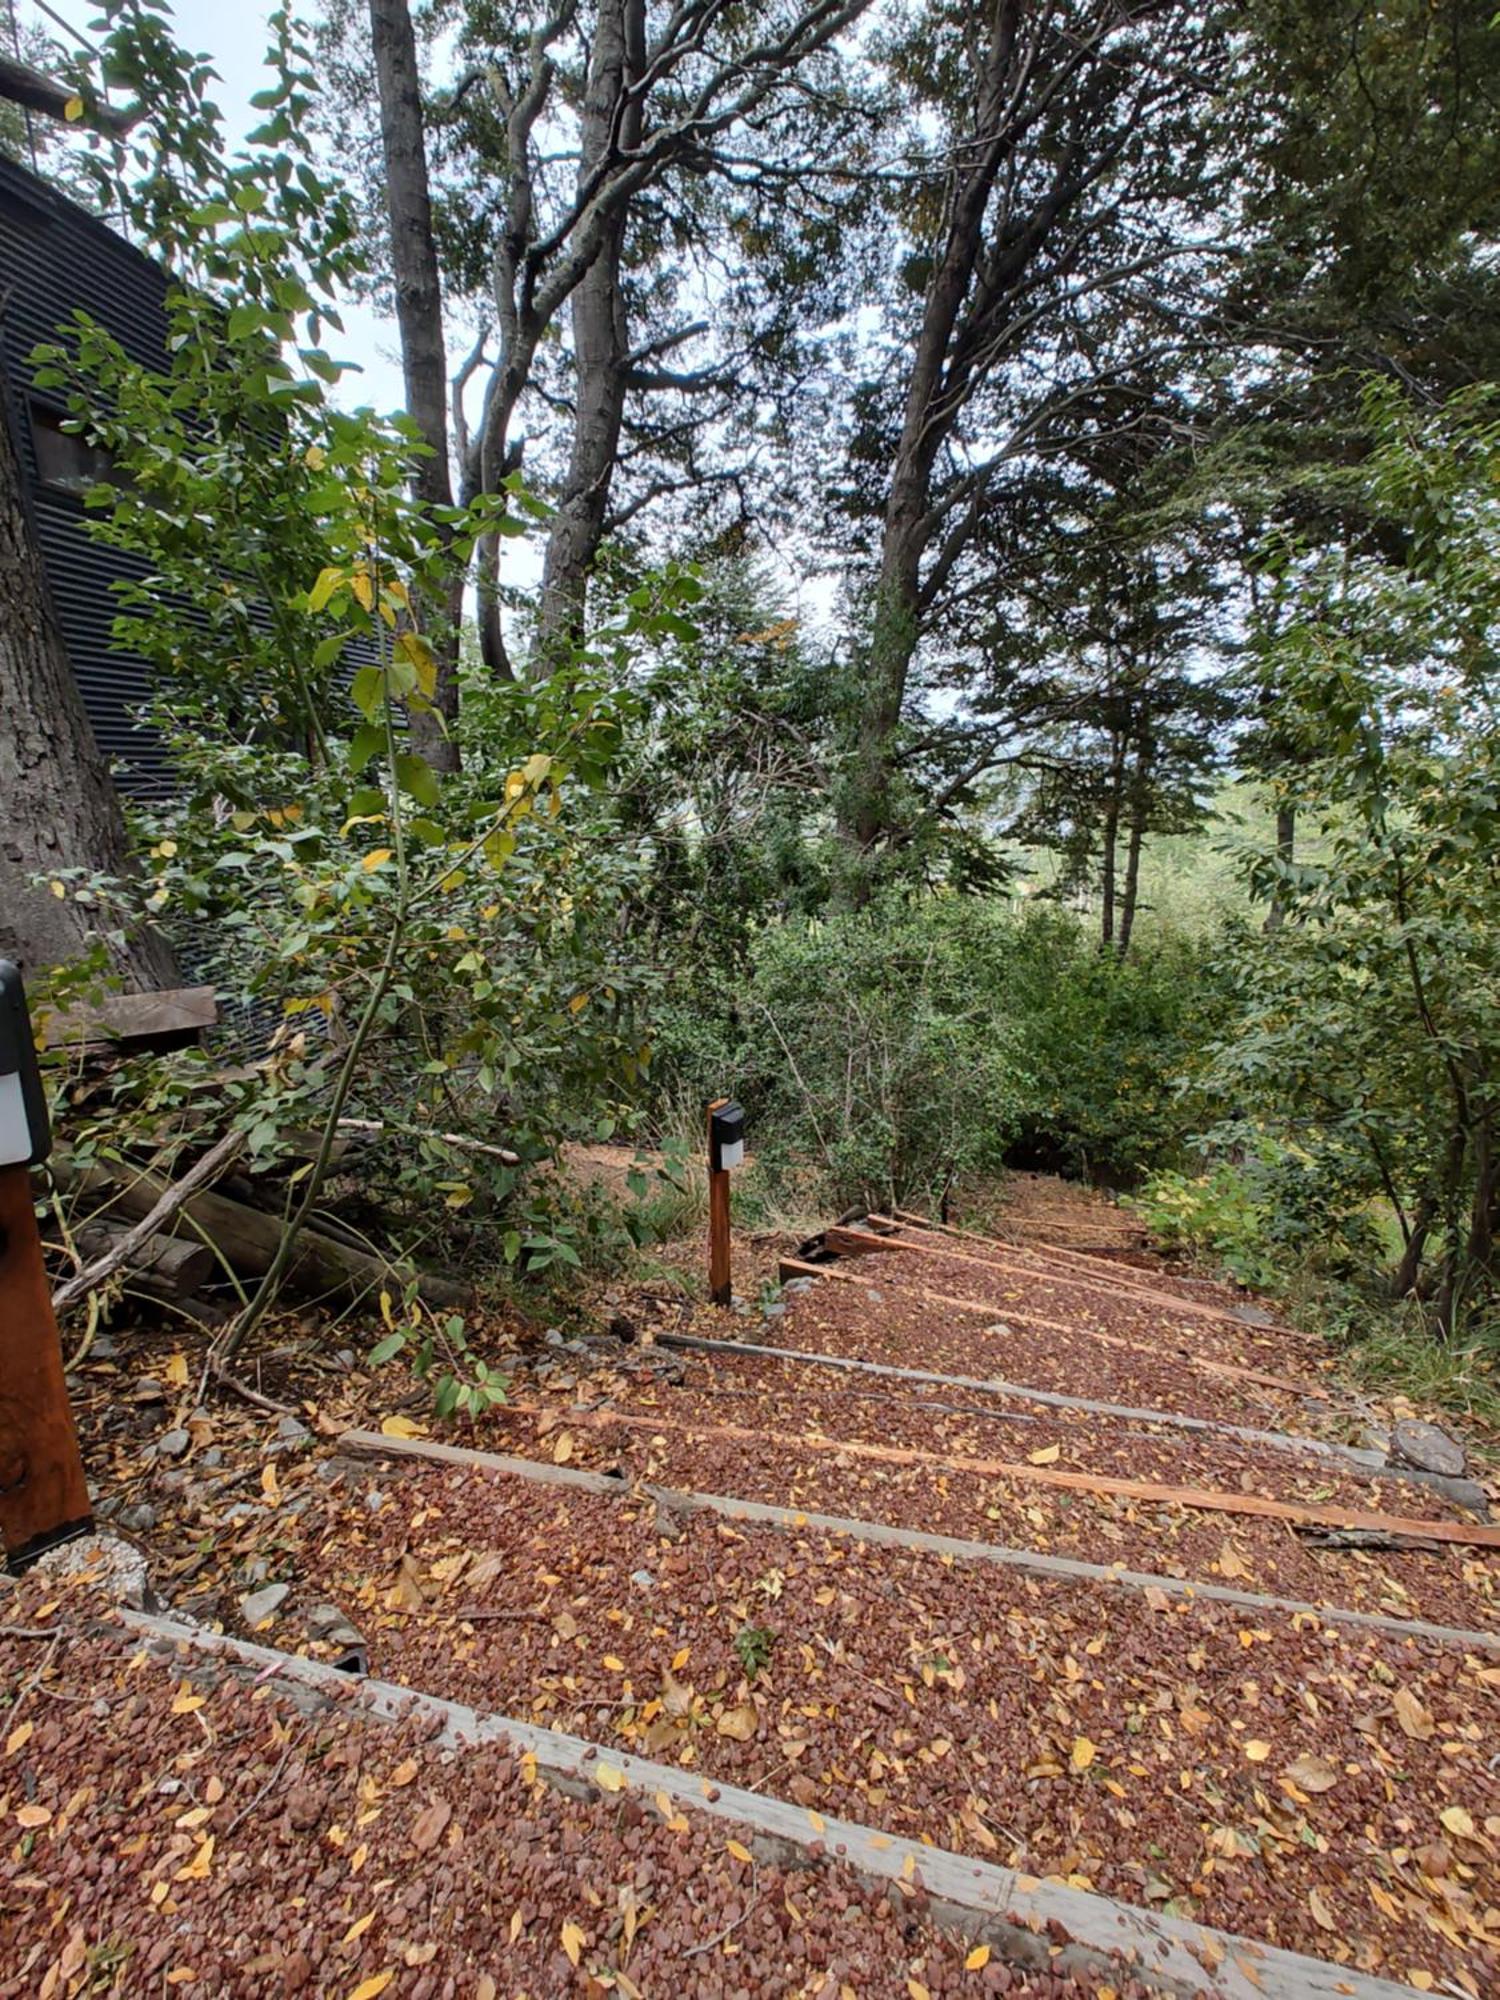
376 858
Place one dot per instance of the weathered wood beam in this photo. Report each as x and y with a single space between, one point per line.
1040 1924
993 1310
374 1444
1371 1464
1104 1486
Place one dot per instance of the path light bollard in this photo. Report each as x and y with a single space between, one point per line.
44 1497
726 1151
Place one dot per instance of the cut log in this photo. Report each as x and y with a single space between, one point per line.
164 1267
247 1239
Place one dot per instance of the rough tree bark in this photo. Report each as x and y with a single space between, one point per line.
419 316
58 807
601 334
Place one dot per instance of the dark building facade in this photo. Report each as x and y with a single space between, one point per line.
55 258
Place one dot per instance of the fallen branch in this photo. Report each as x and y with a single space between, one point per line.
457 1140
125 1246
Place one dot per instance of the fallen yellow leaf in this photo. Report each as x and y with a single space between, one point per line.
1458 1821
1257 1750
740 1853
1083 1755
1048 1455
977 1959
19 1737
176 1371
368 1989
358 1928
609 1779
1321 1914
404 1772
29 1816
197 1869
188 1704
572 1941
400 1427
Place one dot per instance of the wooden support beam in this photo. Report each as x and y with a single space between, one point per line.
375 1444
858 1242
1369 1464
992 1310
44 1497
1197 1499
1045 1925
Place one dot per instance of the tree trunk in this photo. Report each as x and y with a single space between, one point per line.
1110 843
601 336
1286 851
58 801
419 316
931 410
1139 803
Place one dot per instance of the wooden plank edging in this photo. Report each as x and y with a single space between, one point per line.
764 1513
1102 1485
858 1241
1011 1911
1374 1464
989 1309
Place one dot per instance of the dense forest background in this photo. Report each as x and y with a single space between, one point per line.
938 571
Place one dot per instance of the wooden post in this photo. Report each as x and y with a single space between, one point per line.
720 1289
44 1497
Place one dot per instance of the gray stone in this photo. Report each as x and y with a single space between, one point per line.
148 1390
293 1430
776 1310
103 1349
643 1579
374 1499
116 1567
140 1517
263 1604
212 1457
172 1444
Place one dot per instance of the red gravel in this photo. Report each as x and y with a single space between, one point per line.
208 1838
1148 1752
883 1320
1454 1587
790 1397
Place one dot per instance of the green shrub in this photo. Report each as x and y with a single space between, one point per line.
885 1054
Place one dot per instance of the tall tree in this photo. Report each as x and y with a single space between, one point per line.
1068 194
60 808
419 315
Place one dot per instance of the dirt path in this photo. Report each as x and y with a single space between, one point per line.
1316 1785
